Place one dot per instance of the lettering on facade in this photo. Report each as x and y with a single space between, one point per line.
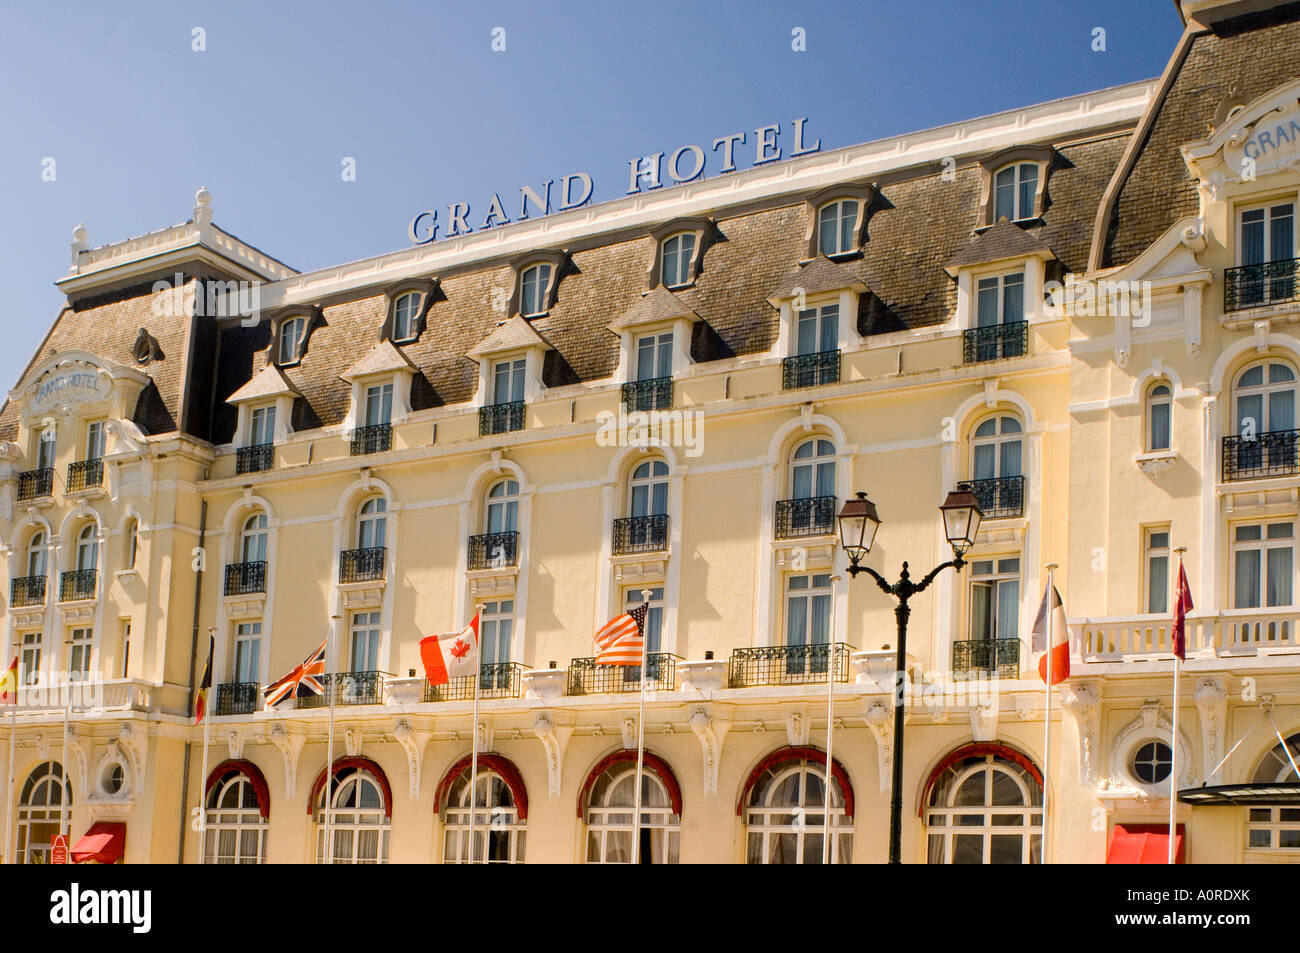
70 386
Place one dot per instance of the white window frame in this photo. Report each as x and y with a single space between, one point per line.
233 822
604 821
540 285
1152 550
81 644
261 425
372 521
839 206
1264 391
764 822
365 625
248 634
1266 208
290 329
1155 401
352 821
1028 830
684 277
403 332
497 825
498 615
1018 182
96 438
1263 545
995 580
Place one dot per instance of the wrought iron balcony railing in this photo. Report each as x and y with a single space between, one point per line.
494 550
362 565
238 698
1268 454
998 498
640 534
496 680
999 657
588 678
243 578
810 370
77 584
27 591
84 474
258 457
33 484
995 341
1252 286
810 517
653 394
346 688
373 439
789 664
500 418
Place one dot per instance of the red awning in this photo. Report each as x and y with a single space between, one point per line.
1144 844
103 843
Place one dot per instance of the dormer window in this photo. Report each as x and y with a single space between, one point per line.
678 253
1014 184
533 284
1014 189
405 311
836 226
290 344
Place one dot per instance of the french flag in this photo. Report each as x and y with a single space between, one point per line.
450 656
1060 647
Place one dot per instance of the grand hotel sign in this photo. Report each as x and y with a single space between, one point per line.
68 385
645 173
1261 138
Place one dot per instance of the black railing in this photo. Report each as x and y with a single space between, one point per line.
27 591
810 370
809 517
33 484
1272 453
362 565
995 341
258 457
999 657
653 394
788 664
83 474
347 688
77 584
243 578
640 534
500 418
588 678
238 698
494 550
373 439
1251 286
999 497
496 680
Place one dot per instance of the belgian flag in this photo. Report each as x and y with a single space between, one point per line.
201 701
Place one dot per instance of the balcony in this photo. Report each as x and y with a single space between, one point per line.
1269 454
500 418
653 394
809 517
788 664
77 584
1232 632
245 578
237 698
27 591
975 658
373 439
810 370
995 342
362 565
346 688
85 475
640 534
494 550
1254 286
496 680
998 498
259 457
585 677
34 484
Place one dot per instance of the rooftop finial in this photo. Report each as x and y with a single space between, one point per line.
79 234
202 207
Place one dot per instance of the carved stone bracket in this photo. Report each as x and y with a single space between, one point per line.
1212 706
629 731
132 747
711 732
1083 704
290 746
984 720
78 768
554 739
235 741
352 740
880 719
797 728
413 743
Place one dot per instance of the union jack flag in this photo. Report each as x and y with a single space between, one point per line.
303 681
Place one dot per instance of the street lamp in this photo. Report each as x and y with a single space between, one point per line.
858 525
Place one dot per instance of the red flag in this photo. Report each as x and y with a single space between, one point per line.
448 656
1182 604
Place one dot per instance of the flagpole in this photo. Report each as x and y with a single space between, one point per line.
830 741
203 781
1044 849
473 751
640 739
13 743
66 810
329 743
1173 735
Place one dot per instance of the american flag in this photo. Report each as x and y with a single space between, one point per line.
304 680
620 640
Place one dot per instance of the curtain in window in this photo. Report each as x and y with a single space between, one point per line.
985 455
1281 410
1013 298
1246 585
797 621
981 614
1159 426
1008 609
1252 237
1010 458
1282 233
821 619
987 311
1279 576
830 327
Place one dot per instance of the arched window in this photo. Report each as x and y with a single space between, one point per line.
499 831
44 810
132 543
1265 399
1015 187
252 541
36 554
235 828
372 524
984 809
1159 407
532 289
290 344
785 814
359 822
88 548
1276 828
997 478
648 489
405 310
678 252
812 469
501 515
836 222
609 815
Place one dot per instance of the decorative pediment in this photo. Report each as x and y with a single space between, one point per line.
515 334
1263 137
384 358
1003 241
657 306
818 276
269 382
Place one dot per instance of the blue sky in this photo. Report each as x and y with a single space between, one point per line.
136 120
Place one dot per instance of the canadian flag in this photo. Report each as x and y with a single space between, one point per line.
1060 647
449 656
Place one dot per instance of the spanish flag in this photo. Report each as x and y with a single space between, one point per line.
201 701
9 682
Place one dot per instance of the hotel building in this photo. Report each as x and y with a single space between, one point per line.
1082 311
